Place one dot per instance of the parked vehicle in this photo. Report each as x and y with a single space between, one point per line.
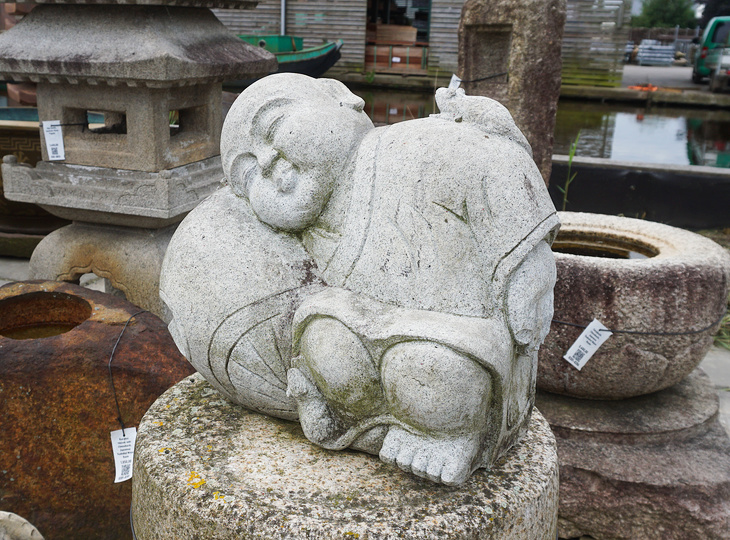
715 36
718 62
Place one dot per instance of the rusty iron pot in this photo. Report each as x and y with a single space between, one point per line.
57 408
638 276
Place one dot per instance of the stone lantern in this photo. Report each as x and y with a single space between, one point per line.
134 91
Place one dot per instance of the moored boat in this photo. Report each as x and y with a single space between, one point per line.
293 57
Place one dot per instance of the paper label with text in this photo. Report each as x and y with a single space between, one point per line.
454 83
123 448
53 134
587 344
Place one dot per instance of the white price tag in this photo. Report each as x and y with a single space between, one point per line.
392 111
123 448
396 59
54 140
587 344
454 83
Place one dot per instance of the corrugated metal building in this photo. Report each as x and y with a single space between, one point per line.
594 41
593 46
318 20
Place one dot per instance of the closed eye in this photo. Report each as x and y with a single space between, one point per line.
248 167
273 126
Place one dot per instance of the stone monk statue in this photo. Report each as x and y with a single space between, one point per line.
386 287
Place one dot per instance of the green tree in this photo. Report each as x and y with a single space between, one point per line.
666 14
714 8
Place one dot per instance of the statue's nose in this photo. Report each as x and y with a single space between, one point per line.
267 159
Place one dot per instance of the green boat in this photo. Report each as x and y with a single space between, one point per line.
293 57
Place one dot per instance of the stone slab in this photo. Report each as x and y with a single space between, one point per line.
134 45
717 366
113 196
659 479
205 468
682 411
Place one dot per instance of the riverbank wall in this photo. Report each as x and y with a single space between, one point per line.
691 197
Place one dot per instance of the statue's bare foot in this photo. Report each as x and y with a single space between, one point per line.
448 460
317 419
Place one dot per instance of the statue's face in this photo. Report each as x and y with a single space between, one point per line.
530 297
292 155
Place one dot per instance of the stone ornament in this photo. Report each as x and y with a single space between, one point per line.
14 527
386 287
57 340
666 286
228 473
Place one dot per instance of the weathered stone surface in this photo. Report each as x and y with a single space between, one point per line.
682 411
510 49
205 468
14 527
57 408
388 287
128 257
681 287
113 196
156 46
137 133
639 468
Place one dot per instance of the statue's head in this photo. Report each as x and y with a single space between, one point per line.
286 140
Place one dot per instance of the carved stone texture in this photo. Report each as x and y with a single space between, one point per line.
654 467
155 46
388 287
57 409
510 49
14 527
113 196
144 129
129 258
680 285
153 72
205 468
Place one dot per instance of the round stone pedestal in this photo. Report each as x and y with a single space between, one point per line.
205 468
655 467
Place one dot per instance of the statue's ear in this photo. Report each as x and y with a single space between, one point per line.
342 94
234 176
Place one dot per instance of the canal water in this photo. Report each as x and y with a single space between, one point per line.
620 132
